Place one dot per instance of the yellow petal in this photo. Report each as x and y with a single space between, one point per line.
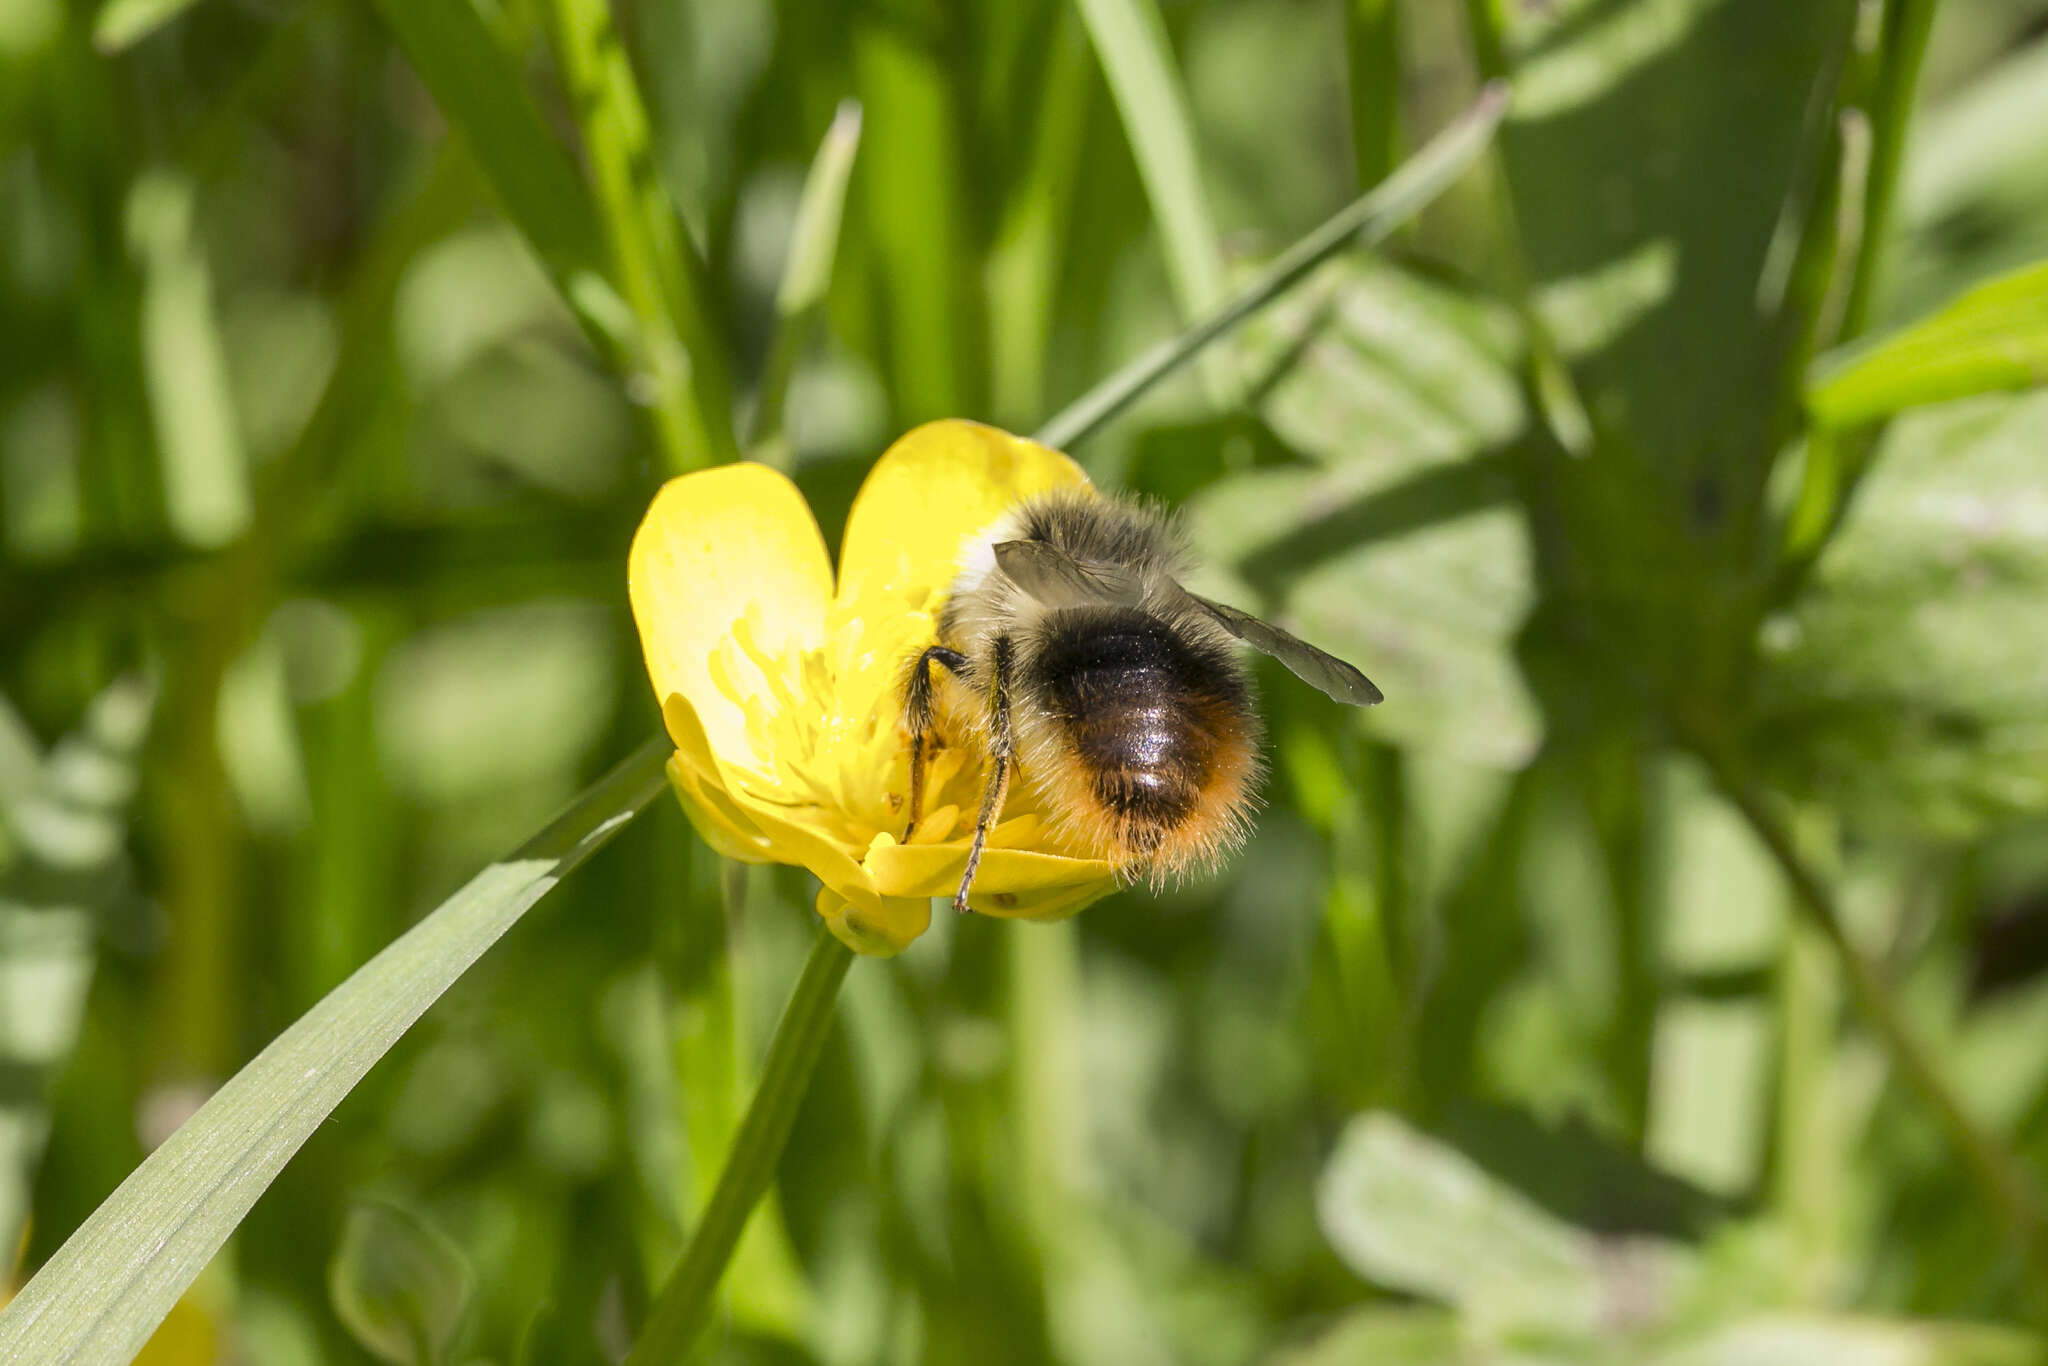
1051 903
1010 882
937 486
715 818
808 836
716 547
882 927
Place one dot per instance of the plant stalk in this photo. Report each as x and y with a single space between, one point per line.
2003 1184
684 1304
1904 45
675 344
1367 219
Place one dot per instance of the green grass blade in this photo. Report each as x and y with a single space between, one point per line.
807 274
1487 22
1907 24
1994 338
1367 219
815 240
657 267
1032 239
478 89
103 1293
1372 43
205 469
918 228
1130 40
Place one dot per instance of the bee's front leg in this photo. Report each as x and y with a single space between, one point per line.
1002 751
917 715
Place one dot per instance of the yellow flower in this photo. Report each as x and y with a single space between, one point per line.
783 696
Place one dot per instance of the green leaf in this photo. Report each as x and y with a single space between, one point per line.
1973 200
98 1299
1627 142
1372 31
1992 339
1905 685
399 1285
1397 546
1843 1340
1411 1214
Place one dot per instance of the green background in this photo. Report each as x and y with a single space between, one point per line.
338 359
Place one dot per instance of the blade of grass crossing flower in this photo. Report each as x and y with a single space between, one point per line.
684 1304
103 1293
807 274
1131 42
1367 219
679 359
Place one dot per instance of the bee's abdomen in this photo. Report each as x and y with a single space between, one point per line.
1158 732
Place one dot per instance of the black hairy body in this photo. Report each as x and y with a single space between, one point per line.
1144 710
1130 721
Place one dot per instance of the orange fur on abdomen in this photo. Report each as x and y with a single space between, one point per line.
1142 741
1185 822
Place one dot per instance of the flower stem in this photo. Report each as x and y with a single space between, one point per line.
684 1302
2003 1184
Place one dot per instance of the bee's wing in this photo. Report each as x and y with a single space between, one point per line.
1324 672
1058 579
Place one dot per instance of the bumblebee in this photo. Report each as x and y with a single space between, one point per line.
1079 665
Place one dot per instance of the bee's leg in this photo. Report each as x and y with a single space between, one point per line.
1002 751
917 714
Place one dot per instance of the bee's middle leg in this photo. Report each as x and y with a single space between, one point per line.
917 715
1002 752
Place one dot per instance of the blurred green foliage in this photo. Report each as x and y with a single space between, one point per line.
341 346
